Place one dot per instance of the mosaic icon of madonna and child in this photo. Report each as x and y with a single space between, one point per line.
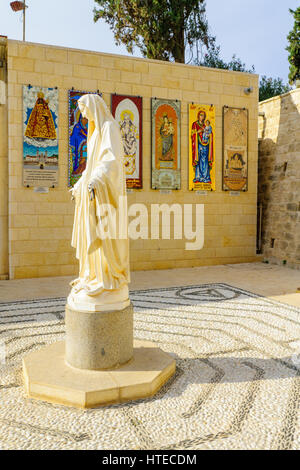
167 133
202 148
128 112
40 127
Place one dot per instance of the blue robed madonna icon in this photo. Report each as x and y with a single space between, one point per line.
78 139
202 148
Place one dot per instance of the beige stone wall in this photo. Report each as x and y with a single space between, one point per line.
40 225
279 178
3 171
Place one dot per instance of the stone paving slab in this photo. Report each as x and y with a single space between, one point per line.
277 282
236 386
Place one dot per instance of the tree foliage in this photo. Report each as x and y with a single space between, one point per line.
161 29
269 87
213 59
294 48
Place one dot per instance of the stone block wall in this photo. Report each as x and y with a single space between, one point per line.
40 225
279 178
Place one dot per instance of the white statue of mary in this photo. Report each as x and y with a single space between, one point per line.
100 231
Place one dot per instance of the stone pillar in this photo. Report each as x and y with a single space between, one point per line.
99 340
98 364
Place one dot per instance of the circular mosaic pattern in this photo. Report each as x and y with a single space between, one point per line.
206 294
237 382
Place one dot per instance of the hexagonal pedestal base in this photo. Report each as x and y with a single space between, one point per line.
47 377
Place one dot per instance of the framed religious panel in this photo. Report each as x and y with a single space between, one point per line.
166 144
78 129
235 149
128 112
40 136
202 160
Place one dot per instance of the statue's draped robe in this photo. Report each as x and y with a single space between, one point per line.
104 261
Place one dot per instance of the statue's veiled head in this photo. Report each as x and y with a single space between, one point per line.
93 108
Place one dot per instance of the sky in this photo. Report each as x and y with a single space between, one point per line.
255 30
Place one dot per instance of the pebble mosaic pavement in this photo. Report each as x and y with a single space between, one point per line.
237 382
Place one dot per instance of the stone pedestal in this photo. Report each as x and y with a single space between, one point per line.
99 364
47 377
99 340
